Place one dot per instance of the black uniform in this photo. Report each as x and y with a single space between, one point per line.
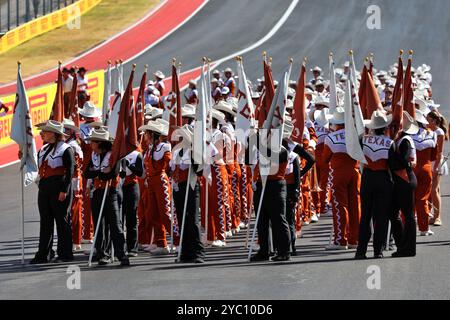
52 210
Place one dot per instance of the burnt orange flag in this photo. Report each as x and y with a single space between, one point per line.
73 102
372 98
362 92
408 94
57 113
126 139
269 93
175 119
298 113
397 104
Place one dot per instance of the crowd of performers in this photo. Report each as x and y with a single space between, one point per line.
146 190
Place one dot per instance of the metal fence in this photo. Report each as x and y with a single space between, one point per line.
13 13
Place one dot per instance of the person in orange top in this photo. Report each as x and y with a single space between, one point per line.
376 185
56 166
401 164
77 201
132 168
425 142
439 125
345 182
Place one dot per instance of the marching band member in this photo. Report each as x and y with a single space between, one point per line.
133 167
425 142
89 114
191 93
345 183
100 170
192 248
56 166
159 83
215 90
77 201
229 81
401 163
439 125
376 185
159 200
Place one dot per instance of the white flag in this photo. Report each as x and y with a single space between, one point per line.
115 109
333 93
22 132
106 96
199 143
353 116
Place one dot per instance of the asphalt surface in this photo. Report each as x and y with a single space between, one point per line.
220 29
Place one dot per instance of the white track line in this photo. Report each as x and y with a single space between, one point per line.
216 63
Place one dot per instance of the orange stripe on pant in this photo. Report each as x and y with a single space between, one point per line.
159 203
424 183
88 228
217 203
77 217
345 187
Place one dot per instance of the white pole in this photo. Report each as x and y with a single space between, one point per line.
23 216
184 213
256 222
270 238
388 236
248 223
98 224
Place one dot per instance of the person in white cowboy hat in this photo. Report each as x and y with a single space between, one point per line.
90 114
345 182
77 199
294 174
229 81
216 75
401 164
159 83
215 90
103 173
376 185
191 93
192 249
219 210
132 168
225 93
439 125
322 129
188 115
152 96
319 86
425 142
156 161
56 166
316 71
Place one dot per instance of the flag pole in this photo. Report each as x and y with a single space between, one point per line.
257 218
248 223
206 211
98 224
22 215
186 195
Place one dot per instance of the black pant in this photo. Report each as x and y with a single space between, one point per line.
130 201
273 210
52 210
376 204
291 205
192 246
403 200
110 223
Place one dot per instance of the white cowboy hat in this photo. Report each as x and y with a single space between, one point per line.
228 70
219 116
148 108
287 119
194 82
338 116
431 105
94 124
409 124
421 103
225 90
155 126
290 92
321 100
159 74
69 124
256 95
322 117
224 107
100 135
316 69
184 132
233 101
154 114
188 111
378 120
52 126
216 72
89 110
421 117
214 80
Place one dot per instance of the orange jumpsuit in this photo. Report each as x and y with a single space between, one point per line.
425 142
345 182
160 193
77 201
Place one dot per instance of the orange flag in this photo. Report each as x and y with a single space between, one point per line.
57 113
298 113
126 139
372 98
73 102
269 93
408 94
397 105
362 92
175 115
